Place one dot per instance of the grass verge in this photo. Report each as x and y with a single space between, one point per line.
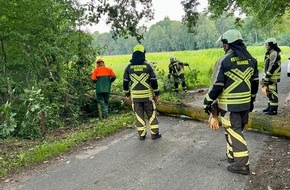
20 154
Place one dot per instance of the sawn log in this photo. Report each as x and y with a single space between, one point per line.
275 125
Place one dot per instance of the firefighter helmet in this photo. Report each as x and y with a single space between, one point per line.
173 59
139 48
269 40
231 36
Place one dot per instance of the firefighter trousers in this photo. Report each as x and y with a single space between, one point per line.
148 108
273 97
177 80
234 124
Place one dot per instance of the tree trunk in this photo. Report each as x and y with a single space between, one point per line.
275 125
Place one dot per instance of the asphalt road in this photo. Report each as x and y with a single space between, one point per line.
189 156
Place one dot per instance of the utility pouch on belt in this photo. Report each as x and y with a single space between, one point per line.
213 121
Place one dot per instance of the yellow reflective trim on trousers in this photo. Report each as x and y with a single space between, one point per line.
272 87
153 114
225 122
154 127
273 104
152 117
140 119
229 147
274 93
141 128
236 136
268 73
241 154
208 98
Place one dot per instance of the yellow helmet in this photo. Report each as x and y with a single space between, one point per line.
139 48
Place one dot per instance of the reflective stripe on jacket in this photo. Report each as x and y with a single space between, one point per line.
235 76
272 69
140 82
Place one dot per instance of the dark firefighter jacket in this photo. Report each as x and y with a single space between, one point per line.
103 76
177 68
235 82
272 71
139 80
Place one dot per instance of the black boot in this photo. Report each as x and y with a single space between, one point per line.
231 160
267 109
156 136
272 112
245 170
142 137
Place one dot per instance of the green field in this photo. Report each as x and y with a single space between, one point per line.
201 62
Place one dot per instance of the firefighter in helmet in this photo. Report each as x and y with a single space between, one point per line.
176 69
235 82
140 84
272 73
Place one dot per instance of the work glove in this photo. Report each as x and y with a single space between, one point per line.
265 89
207 106
213 121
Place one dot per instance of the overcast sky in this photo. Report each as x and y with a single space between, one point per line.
171 8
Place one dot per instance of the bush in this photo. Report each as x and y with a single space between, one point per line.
7 120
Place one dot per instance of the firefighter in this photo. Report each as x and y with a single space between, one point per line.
103 77
140 84
176 69
272 73
235 82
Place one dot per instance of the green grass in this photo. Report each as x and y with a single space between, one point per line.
55 145
200 60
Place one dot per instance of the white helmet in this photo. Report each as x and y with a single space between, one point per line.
231 36
173 59
273 40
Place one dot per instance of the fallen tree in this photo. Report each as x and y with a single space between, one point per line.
275 125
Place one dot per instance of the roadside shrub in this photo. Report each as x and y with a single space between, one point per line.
7 120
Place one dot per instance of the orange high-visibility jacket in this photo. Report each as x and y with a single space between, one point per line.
103 76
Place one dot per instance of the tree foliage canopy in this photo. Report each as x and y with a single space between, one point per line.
125 15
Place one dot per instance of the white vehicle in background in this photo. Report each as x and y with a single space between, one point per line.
288 68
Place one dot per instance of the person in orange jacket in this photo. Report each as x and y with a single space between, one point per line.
103 77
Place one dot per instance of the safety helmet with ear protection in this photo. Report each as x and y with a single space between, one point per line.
231 36
271 40
139 47
172 59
